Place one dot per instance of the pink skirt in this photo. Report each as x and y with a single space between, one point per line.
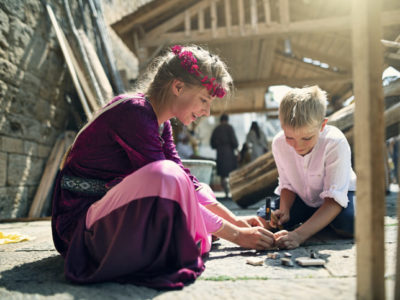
147 230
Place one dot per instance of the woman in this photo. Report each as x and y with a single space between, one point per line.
257 141
124 208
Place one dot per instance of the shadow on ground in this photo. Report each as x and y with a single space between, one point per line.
45 277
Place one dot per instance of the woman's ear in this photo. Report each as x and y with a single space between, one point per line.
177 87
324 123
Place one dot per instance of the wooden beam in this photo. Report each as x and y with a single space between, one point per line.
129 22
391 44
312 52
241 110
214 18
267 12
228 17
292 81
284 12
177 20
200 18
369 158
318 25
241 17
187 23
253 15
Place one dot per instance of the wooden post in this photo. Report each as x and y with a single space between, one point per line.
369 134
397 283
228 17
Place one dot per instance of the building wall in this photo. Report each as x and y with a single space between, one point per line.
34 82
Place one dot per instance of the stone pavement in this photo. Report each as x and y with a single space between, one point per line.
34 270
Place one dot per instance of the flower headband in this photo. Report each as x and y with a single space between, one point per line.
189 63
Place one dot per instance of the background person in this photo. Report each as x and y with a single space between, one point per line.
223 139
256 141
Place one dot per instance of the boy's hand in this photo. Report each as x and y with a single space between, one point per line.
288 239
281 217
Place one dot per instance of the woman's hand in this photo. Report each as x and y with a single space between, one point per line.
282 216
248 221
255 238
288 239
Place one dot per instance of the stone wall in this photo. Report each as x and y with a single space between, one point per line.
34 82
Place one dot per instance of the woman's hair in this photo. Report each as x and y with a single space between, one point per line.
254 126
164 69
303 107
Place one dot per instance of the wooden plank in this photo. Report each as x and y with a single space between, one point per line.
325 26
140 16
284 12
228 17
292 81
397 283
241 17
187 22
68 59
98 69
201 20
178 19
369 132
214 18
267 12
253 15
48 176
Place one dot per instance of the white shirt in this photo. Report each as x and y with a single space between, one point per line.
324 172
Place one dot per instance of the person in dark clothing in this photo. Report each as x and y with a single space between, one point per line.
224 140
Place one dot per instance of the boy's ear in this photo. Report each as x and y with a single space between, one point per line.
177 87
324 123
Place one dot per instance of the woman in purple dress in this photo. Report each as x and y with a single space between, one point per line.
125 209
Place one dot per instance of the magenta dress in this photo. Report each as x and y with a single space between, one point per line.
151 227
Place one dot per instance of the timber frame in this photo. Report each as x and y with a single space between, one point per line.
263 42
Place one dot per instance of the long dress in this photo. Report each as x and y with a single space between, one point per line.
151 227
224 140
258 144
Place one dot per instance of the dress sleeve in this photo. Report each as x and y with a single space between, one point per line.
337 172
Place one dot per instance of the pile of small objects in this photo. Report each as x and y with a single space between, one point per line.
312 260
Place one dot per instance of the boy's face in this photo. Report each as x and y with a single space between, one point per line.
303 139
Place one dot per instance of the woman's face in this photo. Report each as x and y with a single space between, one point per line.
303 139
191 103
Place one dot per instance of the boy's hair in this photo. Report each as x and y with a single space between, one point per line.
303 107
168 67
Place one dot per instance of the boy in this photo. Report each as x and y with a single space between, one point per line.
316 180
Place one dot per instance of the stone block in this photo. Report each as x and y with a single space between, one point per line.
30 148
4 29
24 170
12 145
10 72
20 34
3 168
43 151
14 202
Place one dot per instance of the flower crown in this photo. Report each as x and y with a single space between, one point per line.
189 63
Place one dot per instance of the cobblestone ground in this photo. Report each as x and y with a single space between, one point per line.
34 270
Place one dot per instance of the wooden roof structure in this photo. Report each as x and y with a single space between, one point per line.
263 42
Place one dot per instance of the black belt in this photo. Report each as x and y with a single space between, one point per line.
85 186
